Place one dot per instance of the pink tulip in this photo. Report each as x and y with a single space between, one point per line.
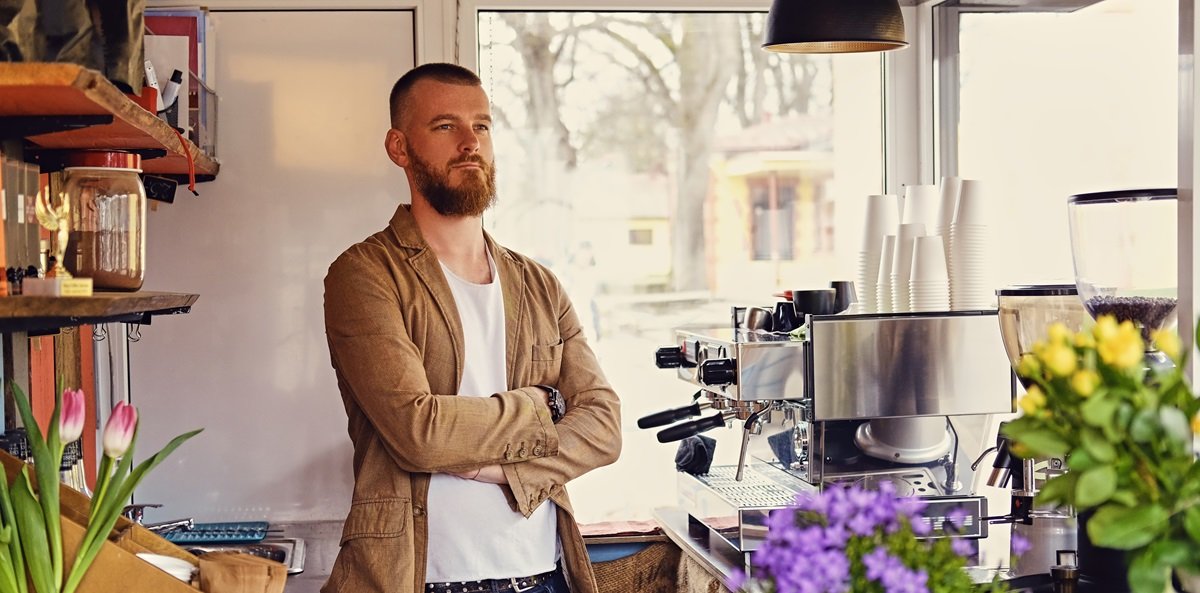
118 433
70 420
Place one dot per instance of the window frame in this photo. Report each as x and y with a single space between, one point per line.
938 26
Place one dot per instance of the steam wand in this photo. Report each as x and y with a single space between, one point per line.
753 426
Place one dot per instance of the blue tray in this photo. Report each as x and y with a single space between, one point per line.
239 532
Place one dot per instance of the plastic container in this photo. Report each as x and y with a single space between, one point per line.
1125 248
107 240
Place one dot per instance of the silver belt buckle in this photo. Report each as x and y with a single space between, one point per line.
517 587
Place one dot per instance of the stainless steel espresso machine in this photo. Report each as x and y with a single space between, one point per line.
857 399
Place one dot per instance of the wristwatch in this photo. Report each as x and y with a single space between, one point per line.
558 405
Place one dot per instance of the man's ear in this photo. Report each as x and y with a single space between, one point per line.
396 146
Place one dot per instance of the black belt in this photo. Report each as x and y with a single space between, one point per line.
513 585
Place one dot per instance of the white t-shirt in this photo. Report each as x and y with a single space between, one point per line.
473 533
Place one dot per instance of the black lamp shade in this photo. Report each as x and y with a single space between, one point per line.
834 26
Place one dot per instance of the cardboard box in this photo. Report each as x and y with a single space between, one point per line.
116 569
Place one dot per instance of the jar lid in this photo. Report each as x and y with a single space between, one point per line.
110 159
1125 195
1039 290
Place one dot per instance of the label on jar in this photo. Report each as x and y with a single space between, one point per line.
20 208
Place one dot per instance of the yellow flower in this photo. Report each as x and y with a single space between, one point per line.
1105 328
1123 349
1085 382
1169 342
1033 401
1058 333
1084 340
1059 358
1029 366
1196 424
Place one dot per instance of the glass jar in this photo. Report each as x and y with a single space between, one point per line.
1125 251
107 240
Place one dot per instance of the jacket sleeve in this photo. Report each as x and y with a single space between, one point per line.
382 372
589 435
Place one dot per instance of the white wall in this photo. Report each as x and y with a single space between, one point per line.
303 111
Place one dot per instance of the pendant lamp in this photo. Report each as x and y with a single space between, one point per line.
834 26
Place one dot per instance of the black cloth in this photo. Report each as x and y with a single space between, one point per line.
783 446
695 454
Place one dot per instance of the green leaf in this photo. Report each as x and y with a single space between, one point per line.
32 529
1058 489
1145 426
1099 410
1044 443
1124 528
1147 574
1125 497
14 546
1191 523
1096 486
1080 460
1097 446
1175 424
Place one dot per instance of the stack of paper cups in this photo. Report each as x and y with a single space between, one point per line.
929 280
902 265
970 286
883 214
883 284
948 203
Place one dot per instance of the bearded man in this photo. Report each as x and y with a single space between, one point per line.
471 394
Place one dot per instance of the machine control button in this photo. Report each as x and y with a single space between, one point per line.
718 371
670 357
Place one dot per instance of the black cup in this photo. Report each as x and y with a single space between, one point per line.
814 302
845 295
784 319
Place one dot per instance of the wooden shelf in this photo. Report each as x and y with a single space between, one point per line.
37 314
46 89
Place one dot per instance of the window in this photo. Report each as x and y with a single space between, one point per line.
665 167
1056 104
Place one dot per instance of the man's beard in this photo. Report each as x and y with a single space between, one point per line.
472 196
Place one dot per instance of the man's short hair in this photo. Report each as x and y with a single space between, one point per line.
441 72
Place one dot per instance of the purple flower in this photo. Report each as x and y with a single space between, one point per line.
963 547
736 579
1019 544
957 517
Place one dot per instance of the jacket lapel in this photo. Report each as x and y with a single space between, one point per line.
512 282
425 263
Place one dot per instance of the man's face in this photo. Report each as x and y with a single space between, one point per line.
448 148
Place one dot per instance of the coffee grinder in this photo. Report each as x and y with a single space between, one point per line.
1025 313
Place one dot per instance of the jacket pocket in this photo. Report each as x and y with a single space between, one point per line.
546 363
548 352
378 517
376 553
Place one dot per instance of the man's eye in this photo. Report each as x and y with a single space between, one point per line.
445 127
483 127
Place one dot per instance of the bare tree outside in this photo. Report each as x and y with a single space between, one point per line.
669 59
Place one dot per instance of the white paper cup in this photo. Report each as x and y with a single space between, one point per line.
972 203
883 214
948 201
921 205
902 263
883 281
929 260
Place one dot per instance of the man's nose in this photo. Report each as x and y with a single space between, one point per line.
469 142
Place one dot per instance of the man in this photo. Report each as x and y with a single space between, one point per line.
471 393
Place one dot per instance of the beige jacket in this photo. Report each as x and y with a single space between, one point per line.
396 344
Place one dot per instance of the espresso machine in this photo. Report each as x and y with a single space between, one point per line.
855 398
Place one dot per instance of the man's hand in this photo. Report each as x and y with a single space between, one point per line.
491 474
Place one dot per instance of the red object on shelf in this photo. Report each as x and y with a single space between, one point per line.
148 100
